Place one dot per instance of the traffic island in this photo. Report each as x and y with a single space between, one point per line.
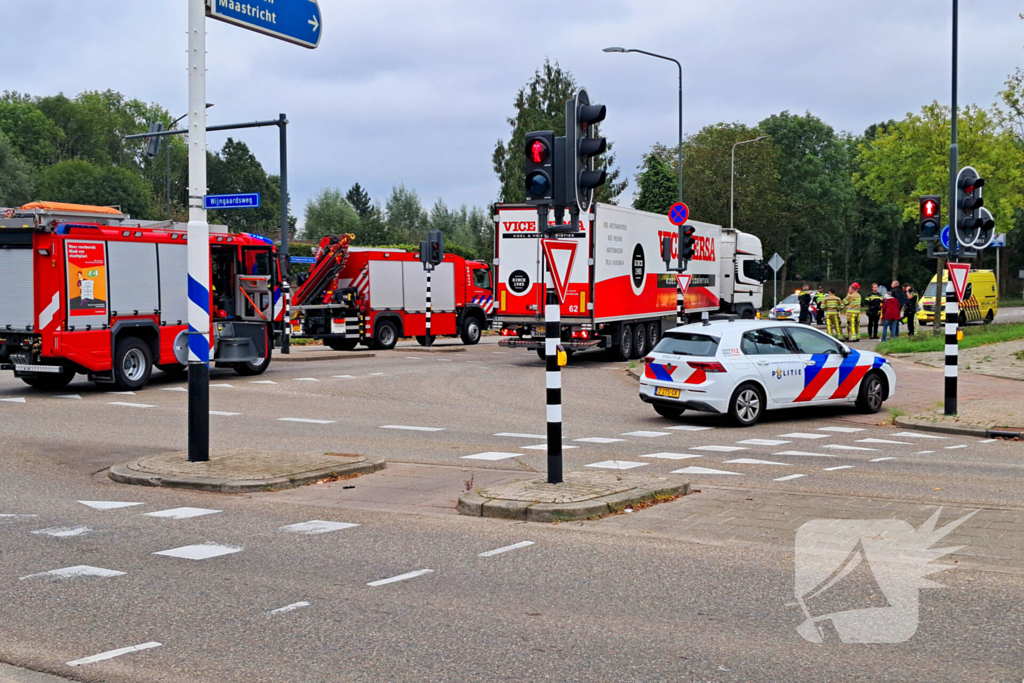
319 353
583 495
432 349
242 470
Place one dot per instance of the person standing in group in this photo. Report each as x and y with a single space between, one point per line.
873 302
910 307
833 305
852 306
819 303
805 305
890 316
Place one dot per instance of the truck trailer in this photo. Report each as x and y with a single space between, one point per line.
620 295
87 290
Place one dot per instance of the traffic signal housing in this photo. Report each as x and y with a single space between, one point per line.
539 167
928 218
986 229
432 249
686 242
153 144
968 222
583 145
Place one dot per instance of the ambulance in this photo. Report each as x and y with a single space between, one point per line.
980 304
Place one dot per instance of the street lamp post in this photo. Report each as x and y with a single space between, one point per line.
732 178
669 59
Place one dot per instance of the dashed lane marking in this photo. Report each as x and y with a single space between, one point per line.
812 455
262 381
790 477
988 440
881 459
78 571
113 653
898 443
64 531
13 400
120 393
752 461
343 376
202 551
671 456
289 608
305 379
617 465
222 385
222 413
923 452
919 435
703 470
413 429
840 447
377 374
130 405
74 397
763 442
10 516
804 435
950 448
598 439
516 435
499 551
107 504
689 428
491 455
181 513
400 577
174 389
544 447
841 430
838 467
718 449
317 526
306 420
648 435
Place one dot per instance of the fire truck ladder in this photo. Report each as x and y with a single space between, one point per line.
324 274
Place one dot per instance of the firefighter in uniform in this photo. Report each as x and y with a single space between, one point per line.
832 305
873 302
852 305
819 304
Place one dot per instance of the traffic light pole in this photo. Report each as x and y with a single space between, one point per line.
553 372
430 304
952 305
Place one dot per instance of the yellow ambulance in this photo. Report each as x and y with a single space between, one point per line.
980 304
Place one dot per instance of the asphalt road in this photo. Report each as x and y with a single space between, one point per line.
582 603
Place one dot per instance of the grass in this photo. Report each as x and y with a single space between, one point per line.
980 335
1019 355
1010 303
894 413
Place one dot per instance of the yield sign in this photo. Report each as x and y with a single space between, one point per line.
684 282
560 255
958 274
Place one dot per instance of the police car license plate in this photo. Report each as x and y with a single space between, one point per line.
665 391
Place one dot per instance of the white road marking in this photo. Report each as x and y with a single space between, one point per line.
113 653
752 461
225 385
289 608
803 435
790 477
718 449
317 526
950 448
185 389
617 464
703 470
982 441
412 358
10 516
75 572
130 405
181 513
649 435
881 459
671 456
838 467
414 429
841 430
689 428
544 447
344 376
120 393
491 455
444 360
898 443
306 420
107 504
763 442
523 436
923 452
813 455
400 577
75 397
64 531
499 551
13 400
221 412
598 439
305 379
500 353
377 374
839 447
262 381
919 435
202 551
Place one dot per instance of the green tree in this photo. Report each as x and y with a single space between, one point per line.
16 175
540 105
329 213
405 220
656 186
33 135
236 170
360 200
81 182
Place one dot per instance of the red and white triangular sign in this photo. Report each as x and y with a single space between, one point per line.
560 255
958 274
684 282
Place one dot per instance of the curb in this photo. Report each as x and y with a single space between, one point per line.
475 504
983 432
433 349
310 356
124 474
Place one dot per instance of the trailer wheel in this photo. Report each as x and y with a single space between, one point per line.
256 367
542 354
653 336
471 330
624 351
385 336
343 344
50 381
639 340
133 364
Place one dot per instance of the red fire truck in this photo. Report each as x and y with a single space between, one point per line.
88 290
373 297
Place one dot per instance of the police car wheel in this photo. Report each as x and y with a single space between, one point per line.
871 394
668 411
746 405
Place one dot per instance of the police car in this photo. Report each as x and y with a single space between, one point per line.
745 367
789 308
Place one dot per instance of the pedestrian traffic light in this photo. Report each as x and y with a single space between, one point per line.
928 217
581 118
539 167
968 221
686 242
153 144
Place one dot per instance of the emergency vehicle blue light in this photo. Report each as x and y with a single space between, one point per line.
259 238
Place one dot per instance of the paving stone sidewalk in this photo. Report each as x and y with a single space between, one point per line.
994 360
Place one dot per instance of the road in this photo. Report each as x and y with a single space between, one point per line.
695 589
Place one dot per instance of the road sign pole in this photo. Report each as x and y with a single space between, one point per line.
952 346
198 242
286 289
553 372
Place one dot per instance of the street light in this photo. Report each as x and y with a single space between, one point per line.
669 59
732 176
173 124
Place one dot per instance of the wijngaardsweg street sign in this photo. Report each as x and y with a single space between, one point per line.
302 259
295 21
231 201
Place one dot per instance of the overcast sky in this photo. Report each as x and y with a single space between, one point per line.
419 92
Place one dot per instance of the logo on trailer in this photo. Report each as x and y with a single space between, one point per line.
518 281
638 268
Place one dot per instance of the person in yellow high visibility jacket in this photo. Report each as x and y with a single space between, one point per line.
852 305
833 305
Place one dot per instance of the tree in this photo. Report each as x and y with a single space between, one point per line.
656 186
236 170
360 200
16 175
540 105
405 220
81 182
329 213
33 135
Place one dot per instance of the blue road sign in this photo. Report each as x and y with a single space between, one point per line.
678 213
294 21
232 201
944 237
302 259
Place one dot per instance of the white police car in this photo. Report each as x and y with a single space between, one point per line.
744 367
789 308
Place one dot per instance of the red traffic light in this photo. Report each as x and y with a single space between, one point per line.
929 208
538 151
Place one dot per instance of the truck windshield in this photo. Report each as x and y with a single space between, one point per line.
482 278
687 344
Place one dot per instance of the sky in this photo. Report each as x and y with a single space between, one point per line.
414 92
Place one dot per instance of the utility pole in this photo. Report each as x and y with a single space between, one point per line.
952 305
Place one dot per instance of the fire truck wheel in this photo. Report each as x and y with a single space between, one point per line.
50 381
133 364
252 368
342 344
639 341
385 336
471 331
624 351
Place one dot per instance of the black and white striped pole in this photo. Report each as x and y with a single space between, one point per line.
430 270
431 255
552 370
952 345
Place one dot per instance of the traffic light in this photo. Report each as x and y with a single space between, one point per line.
928 217
581 118
686 242
968 222
666 250
153 144
432 249
986 229
539 167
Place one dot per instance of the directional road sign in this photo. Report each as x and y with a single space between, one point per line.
302 259
232 201
560 255
999 240
958 274
678 213
294 21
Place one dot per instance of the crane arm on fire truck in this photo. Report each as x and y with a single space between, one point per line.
331 256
